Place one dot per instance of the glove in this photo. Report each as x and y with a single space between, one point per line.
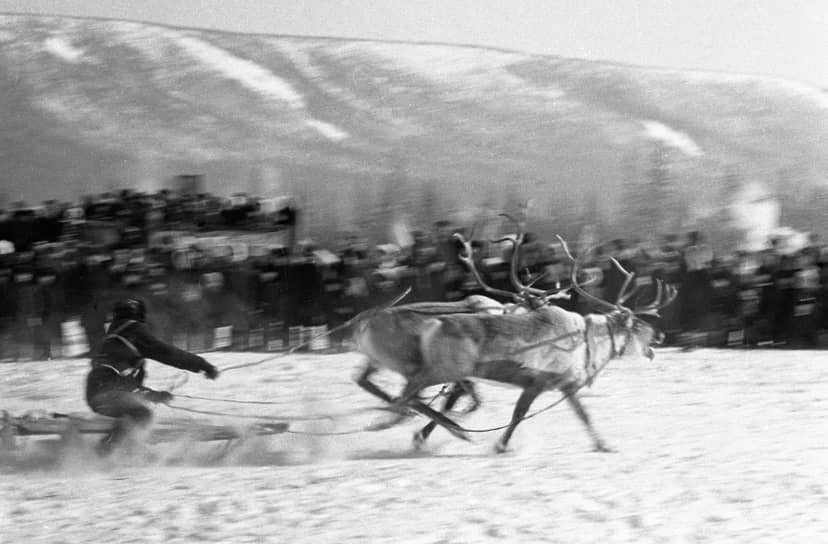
209 371
159 397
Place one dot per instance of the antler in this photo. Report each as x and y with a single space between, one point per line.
466 257
662 298
556 293
573 276
623 295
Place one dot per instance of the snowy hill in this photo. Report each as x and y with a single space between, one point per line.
91 105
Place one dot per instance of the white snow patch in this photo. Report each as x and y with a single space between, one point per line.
156 43
299 55
327 130
251 75
672 137
62 49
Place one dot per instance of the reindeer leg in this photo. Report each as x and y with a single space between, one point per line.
525 400
598 442
399 406
435 416
457 391
470 390
410 392
364 382
532 382
409 398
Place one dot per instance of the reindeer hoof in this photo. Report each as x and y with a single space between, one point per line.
603 448
418 441
501 448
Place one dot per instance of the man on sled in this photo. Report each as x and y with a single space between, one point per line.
114 386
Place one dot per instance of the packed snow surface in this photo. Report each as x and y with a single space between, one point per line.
712 446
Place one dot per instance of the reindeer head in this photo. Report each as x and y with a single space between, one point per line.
637 334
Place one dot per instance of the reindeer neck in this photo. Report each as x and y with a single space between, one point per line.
600 331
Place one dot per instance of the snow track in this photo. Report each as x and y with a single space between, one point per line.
713 446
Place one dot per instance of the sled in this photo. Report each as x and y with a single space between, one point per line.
71 426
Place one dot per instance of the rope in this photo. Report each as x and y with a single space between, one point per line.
355 431
288 352
232 401
184 377
287 431
276 403
290 418
544 409
246 416
323 433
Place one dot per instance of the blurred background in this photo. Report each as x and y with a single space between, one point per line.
255 187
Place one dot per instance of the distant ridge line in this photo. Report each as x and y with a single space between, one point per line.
492 48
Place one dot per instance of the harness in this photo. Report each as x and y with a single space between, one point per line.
134 366
615 352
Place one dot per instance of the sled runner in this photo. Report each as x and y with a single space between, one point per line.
68 426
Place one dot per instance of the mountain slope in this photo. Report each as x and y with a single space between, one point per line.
91 105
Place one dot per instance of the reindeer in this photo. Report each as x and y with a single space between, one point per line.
544 349
390 338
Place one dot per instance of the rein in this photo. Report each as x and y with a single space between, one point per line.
563 397
614 353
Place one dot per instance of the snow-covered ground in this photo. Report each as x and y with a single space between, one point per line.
713 446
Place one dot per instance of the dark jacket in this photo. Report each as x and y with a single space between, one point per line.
119 362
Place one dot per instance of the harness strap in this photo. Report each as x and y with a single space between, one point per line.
130 371
116 334
126 342
611 333
123 326
550 341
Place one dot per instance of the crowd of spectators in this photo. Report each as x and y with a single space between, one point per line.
61 262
